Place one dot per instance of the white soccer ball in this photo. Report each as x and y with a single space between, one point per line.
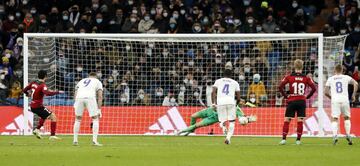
243 120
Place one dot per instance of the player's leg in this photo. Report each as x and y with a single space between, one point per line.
347 123
335 113
37 112
301 114
53 120
79 109
91 106
197 115
231 116
289 114
222 117
204 122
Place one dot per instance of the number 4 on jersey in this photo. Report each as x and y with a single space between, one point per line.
226 89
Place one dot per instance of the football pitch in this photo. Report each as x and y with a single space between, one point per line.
177 151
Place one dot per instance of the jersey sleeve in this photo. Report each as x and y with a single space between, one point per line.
99 86
348 79
216 84
26 89
47 92
237 87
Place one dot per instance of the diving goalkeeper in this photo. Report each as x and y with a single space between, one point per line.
209 116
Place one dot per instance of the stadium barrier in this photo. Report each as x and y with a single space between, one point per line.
165 121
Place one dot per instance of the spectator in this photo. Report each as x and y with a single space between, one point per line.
169 100
10 23
269 25
257 93
142 98
30 23
145 24
15 90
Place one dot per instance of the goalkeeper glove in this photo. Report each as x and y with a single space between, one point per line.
251 118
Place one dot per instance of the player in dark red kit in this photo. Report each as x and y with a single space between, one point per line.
38 91
298 83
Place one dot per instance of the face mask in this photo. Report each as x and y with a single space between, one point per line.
32 11
110 80
250 21
217 60
159 93
17 14
246 2
252 100
134 11
197 28
43 21
99 75
152 12
343 31
294 4
191 82
115 72
2 76
172 100
256 80
65 18
241 77
226 47
95 6
165 14
196 94
237 22
172 25
191 63
176 16
79 69
357 29
11 18
24 2
123 99
131 2
165 53
127 47
112 22
146 18
141 96
133 20
258 29
7 55
182 88
247 69
182 12
348 22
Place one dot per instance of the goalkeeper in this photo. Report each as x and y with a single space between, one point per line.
209 116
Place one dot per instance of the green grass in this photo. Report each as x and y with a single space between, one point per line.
175 151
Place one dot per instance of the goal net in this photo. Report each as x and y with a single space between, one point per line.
154 83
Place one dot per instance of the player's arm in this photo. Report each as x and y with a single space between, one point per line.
281 87
356 86
50 92
312 86
327 92
26 89
213 95
99 94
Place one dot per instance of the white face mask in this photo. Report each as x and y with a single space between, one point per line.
294 4
191 63
159 93
123 99
182 88
110 80
252 100
247 69
99 75
2 76
127 47
182 12
196 94
146 18
191 82
133 20
79 69
217 60
250 21
11 18
172 100
141 96
241 77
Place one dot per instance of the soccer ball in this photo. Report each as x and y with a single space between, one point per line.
243 120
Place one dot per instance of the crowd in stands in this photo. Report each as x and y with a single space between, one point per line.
186 85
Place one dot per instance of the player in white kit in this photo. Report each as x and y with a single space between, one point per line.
337 90
89 95
223 97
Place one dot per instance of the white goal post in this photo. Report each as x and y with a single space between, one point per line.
154 82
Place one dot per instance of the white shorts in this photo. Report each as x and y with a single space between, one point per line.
226 112
338 108
89 103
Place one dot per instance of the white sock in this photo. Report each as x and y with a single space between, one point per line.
76 129
347 125
334 126
95 129
223 127
231 130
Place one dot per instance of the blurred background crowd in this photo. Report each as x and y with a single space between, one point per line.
179 83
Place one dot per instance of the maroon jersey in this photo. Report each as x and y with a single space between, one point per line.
297 83
38 91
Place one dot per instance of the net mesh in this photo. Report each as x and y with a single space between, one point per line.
153 85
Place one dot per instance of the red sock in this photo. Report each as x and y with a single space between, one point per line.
53 128
285 129
299 130
41 123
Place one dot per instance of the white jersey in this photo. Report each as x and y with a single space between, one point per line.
339 87
226 88
87 88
